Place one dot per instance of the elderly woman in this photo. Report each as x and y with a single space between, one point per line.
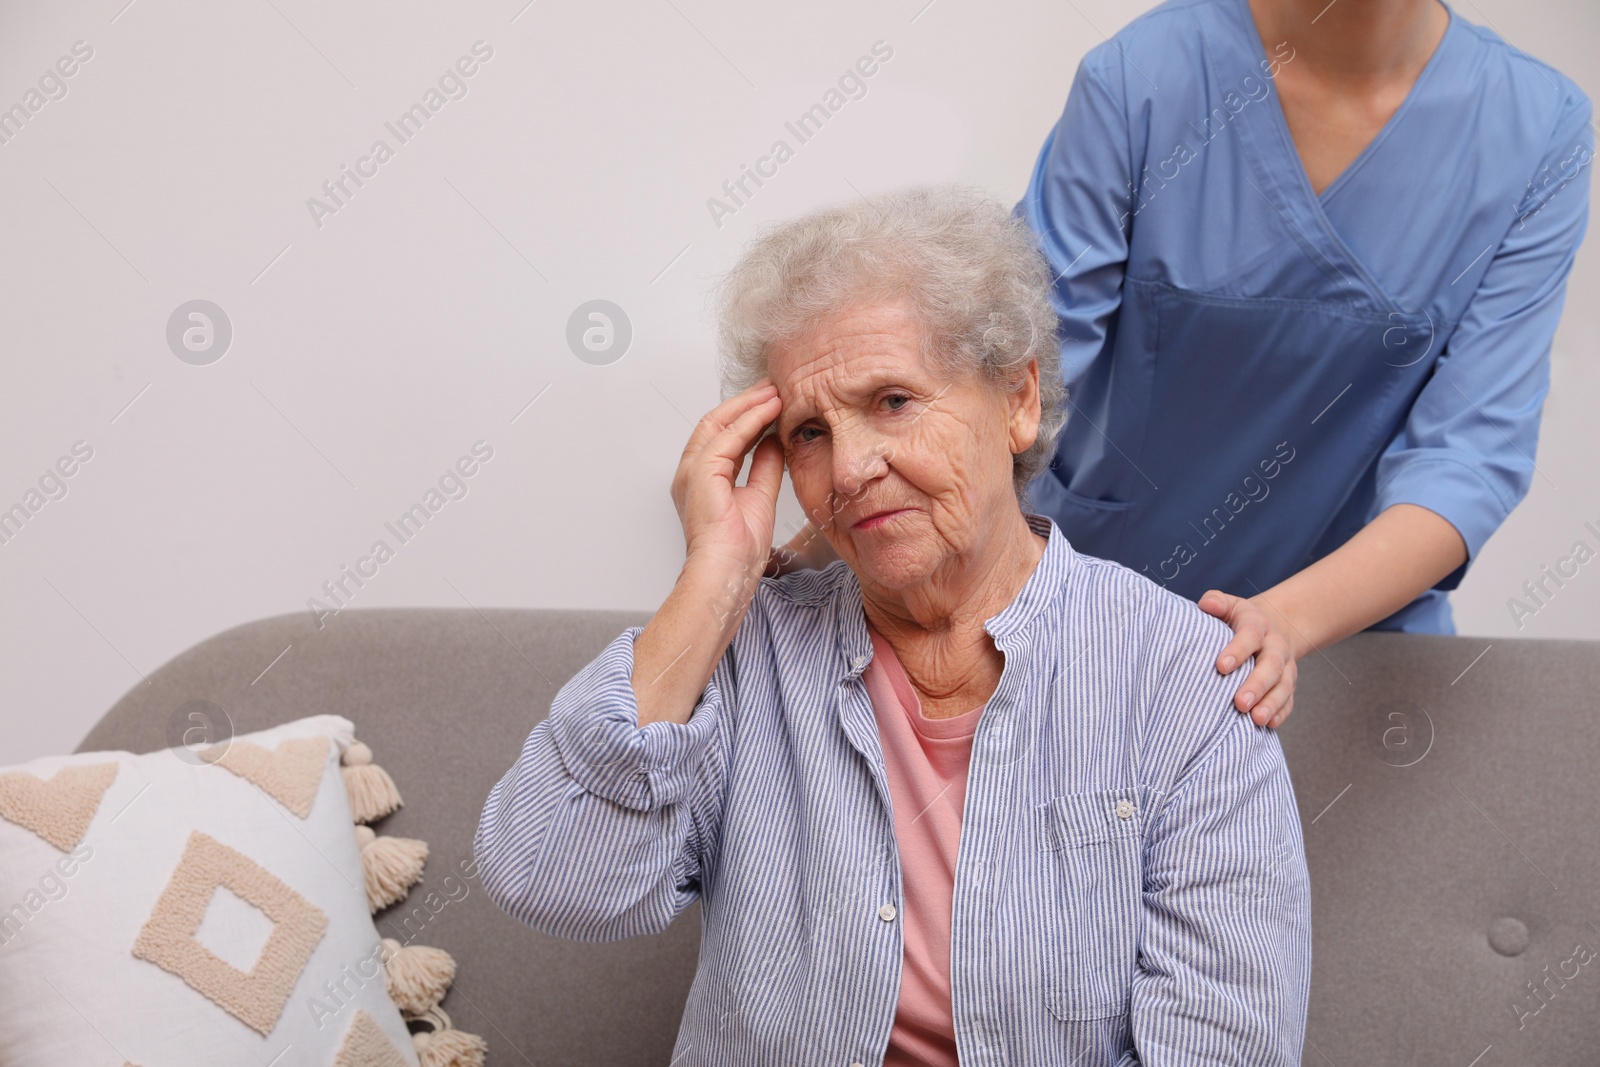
964 792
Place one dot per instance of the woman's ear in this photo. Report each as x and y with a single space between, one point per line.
1025 411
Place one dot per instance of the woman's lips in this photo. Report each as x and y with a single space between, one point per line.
878 518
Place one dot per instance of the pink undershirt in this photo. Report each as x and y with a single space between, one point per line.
926 764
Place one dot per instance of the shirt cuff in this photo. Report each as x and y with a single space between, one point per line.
1450 489
594 724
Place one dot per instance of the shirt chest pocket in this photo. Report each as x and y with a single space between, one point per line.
1092 847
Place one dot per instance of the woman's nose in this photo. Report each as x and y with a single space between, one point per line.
858 458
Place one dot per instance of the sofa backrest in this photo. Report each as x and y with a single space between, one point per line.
1446 790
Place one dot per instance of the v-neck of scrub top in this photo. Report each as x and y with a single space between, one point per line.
1274 153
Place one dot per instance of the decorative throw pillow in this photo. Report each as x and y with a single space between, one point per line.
213 906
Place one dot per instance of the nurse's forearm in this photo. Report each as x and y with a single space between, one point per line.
1390 562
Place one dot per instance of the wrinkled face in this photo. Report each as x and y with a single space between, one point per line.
903 470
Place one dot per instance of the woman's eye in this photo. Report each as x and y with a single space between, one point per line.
800 434
896 401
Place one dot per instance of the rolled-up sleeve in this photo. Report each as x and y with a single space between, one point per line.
599 829
1466 451
1224 966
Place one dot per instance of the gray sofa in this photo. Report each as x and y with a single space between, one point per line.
1448 800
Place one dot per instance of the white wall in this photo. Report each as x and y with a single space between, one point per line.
371 352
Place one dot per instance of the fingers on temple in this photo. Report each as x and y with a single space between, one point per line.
727 413
766 468
738 414
734 440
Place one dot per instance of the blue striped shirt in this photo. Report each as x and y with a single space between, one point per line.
1131 883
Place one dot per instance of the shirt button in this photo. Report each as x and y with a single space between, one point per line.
887 913
1124 809
859 662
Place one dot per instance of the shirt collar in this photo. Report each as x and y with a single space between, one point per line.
1043 585
1037 593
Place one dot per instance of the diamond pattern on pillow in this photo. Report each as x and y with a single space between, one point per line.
256 998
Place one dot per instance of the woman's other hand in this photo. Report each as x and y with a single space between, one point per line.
1268 694
725 525
807 549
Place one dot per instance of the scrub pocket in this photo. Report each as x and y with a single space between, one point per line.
1090 525
1095 902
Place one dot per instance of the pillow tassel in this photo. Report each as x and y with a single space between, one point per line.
416 975
372 792
445 1046
392 865
449 1048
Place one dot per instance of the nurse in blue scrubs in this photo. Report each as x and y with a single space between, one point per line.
1310 257
1310 260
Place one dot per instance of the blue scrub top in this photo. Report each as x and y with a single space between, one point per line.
1256 371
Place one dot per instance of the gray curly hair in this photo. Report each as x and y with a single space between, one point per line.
971 272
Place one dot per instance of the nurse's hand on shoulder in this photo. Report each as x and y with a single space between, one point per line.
1268 694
